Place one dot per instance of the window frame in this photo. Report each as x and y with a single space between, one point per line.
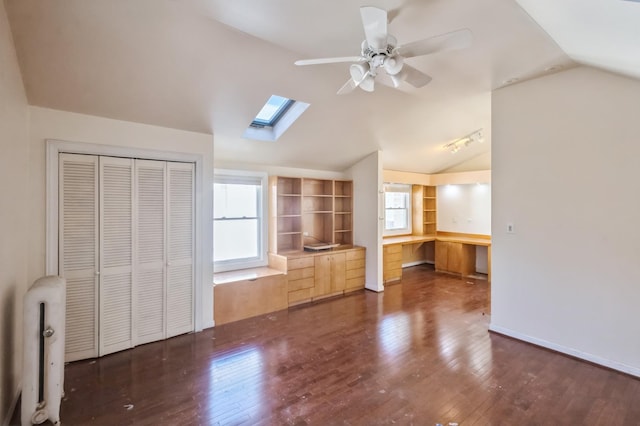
276 116
261 259
399 188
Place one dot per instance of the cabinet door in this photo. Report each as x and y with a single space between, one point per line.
454 258
116 254
322 275
442 263
338 272
150 288
78 252
180 248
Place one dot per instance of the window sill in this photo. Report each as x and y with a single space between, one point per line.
249 274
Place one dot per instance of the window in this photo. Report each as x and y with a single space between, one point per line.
239 229
275 117
272 111
397 209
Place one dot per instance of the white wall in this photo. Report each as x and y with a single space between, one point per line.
464 208
14 226
565 173
367 227
53 124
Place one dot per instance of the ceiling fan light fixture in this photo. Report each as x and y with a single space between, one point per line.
367 84
393 65
395 79
358 72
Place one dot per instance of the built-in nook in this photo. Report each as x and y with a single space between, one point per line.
451 225
311 251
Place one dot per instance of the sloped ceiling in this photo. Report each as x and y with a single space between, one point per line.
209 65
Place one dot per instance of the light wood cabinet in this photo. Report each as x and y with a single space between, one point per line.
355 269
392 262
330 274
304 211
237 300
312 276
457 258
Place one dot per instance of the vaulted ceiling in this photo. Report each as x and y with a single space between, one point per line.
209 66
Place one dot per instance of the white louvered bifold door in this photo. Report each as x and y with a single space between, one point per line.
150 246
180 242
116 254
78 251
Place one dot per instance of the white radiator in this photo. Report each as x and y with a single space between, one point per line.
43 351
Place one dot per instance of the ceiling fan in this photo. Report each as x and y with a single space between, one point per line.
380 51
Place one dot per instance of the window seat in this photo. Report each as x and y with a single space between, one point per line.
248 293
244 275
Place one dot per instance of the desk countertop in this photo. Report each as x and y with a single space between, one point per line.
416 239
408 239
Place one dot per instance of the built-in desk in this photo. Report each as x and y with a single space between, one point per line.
453 252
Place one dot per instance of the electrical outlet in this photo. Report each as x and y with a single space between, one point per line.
511 229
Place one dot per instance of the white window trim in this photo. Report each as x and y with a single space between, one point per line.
263 259
398 187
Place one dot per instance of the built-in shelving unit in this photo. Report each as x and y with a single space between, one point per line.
343 212
285 214
429 210
305 211
424 210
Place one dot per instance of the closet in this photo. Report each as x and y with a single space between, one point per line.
126 238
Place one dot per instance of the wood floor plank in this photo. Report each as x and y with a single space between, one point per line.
418 353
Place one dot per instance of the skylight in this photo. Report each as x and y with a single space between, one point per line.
272 111
274 118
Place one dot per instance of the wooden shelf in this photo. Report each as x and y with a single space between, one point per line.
424 209
307 211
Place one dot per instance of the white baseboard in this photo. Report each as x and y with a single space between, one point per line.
614 365
12 407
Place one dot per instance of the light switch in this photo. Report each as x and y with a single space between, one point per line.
511 229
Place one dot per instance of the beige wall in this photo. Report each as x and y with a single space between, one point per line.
66 126
565 174
367 228
14 181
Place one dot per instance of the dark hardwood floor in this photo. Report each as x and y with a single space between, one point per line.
419 353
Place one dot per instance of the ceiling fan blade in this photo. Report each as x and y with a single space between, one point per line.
374 21
348 87
449 41
413 76
329 60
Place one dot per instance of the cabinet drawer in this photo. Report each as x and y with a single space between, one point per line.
298 274
392 274
355 254
294 285
355 264
354 284
300 262
300 296
393 257
394 248
354 273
